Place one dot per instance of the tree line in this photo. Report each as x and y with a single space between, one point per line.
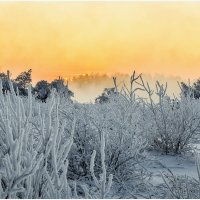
41 90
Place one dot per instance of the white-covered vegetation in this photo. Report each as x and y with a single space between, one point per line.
61 149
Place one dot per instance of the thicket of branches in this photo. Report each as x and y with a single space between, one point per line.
62 149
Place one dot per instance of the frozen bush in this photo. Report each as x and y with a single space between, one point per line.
34 148
101 184
182 187
170 124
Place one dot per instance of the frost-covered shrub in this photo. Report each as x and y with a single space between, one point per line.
102 184
85 141
182 187
124 146
169 124
119 117
33 148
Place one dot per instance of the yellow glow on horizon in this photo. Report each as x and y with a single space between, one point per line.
98 37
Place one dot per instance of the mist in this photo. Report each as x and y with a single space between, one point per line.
87 87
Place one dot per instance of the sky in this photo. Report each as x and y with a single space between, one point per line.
73 38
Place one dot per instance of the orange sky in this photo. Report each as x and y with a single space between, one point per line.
73 38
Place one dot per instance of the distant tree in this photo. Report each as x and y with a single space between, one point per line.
196 87
192 91
42 90
5 77
5 83
105 96
22 81
61 88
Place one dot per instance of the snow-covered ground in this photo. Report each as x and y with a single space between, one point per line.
178 164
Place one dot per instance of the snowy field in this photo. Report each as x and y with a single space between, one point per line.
122 146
